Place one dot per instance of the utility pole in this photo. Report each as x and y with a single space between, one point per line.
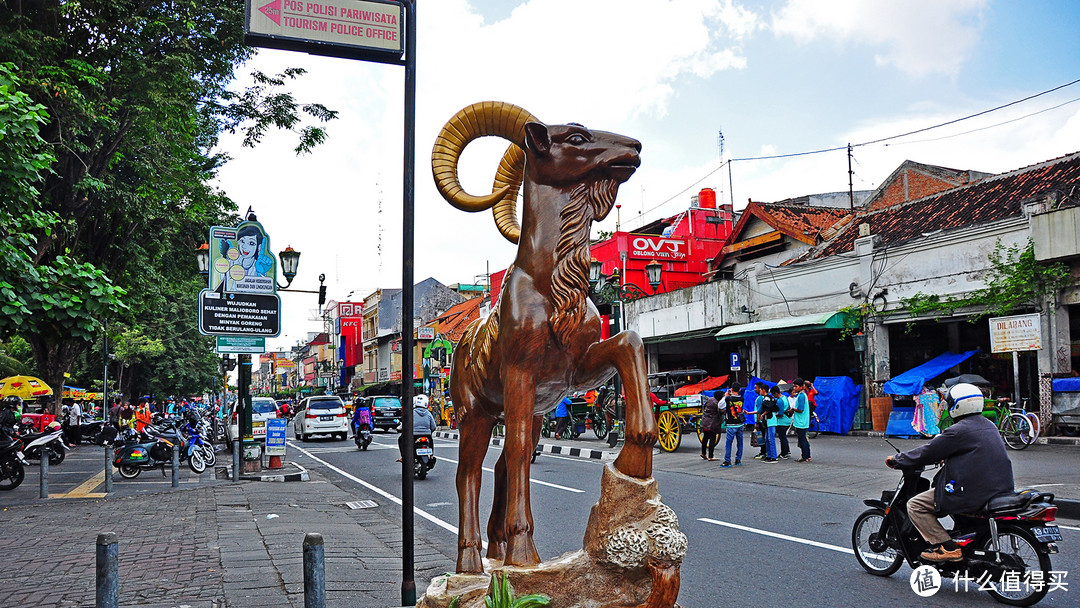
850 178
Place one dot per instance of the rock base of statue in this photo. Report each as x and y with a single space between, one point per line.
631 557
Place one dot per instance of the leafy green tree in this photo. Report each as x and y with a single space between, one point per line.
1015 280
130 100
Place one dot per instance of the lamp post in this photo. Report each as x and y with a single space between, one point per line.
609 292
290 261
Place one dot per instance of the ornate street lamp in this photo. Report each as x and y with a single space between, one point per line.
290 261
652 271
595 272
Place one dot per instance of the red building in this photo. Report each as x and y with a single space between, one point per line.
683 244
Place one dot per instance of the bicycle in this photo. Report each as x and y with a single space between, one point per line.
1016 429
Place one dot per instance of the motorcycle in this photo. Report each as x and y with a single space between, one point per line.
423 456
1006 545
12 464
154 450
362 435
53 445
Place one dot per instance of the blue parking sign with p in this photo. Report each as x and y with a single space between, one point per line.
736 363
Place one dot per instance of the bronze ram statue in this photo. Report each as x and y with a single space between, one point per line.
542 338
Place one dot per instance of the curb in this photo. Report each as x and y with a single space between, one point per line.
281 477
545 448
1068 507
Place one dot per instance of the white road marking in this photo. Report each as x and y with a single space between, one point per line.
422 513
536 481
1069 527
794 539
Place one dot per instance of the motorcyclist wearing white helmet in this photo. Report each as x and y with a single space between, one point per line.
422 420
976 469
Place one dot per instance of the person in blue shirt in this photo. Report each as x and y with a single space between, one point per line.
799 408
759 418
562 417
783 421
770 407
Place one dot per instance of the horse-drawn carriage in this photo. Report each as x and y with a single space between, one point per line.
682 414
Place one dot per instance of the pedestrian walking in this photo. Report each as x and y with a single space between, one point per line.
800 417
734 418
760 426
711 425
114 414
127 416
74 424
770 408
783 420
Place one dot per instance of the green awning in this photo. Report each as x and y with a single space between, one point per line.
683 335
784 325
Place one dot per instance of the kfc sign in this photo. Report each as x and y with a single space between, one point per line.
658 247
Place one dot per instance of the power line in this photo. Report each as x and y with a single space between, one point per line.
876 141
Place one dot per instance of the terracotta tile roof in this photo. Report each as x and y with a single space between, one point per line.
797 220
452 323
800 221
991 199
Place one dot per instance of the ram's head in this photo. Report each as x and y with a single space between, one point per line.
560 155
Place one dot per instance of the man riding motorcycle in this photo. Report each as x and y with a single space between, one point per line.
422 420
976 469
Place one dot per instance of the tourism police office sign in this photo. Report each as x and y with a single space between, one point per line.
362 29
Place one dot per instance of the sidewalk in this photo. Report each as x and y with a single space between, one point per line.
212 546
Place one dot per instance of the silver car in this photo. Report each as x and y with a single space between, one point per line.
322 415
262 409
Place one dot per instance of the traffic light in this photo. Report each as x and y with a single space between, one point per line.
322 295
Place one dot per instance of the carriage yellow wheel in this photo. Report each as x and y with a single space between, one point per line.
700 437
669 431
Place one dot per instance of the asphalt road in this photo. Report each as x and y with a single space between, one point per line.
763 544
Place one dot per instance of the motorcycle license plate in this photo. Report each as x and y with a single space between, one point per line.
22 456
326 418
423 452
1047 534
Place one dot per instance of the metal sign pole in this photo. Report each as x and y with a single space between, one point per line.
408 584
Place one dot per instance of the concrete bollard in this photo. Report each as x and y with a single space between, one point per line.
237 447
108 468
108 571
314 572
176 466
44 482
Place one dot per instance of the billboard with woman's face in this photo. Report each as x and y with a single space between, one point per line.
240 258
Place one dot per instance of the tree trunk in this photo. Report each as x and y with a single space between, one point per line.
52 360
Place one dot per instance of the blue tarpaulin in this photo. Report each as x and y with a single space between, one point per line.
1066 385
912 381
837 402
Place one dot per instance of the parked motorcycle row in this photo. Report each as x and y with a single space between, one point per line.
134 452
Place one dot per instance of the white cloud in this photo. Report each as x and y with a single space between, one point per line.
917 37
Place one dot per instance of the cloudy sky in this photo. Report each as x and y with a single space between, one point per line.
774 78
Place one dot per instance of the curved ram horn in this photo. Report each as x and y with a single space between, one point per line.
479 120
508 179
